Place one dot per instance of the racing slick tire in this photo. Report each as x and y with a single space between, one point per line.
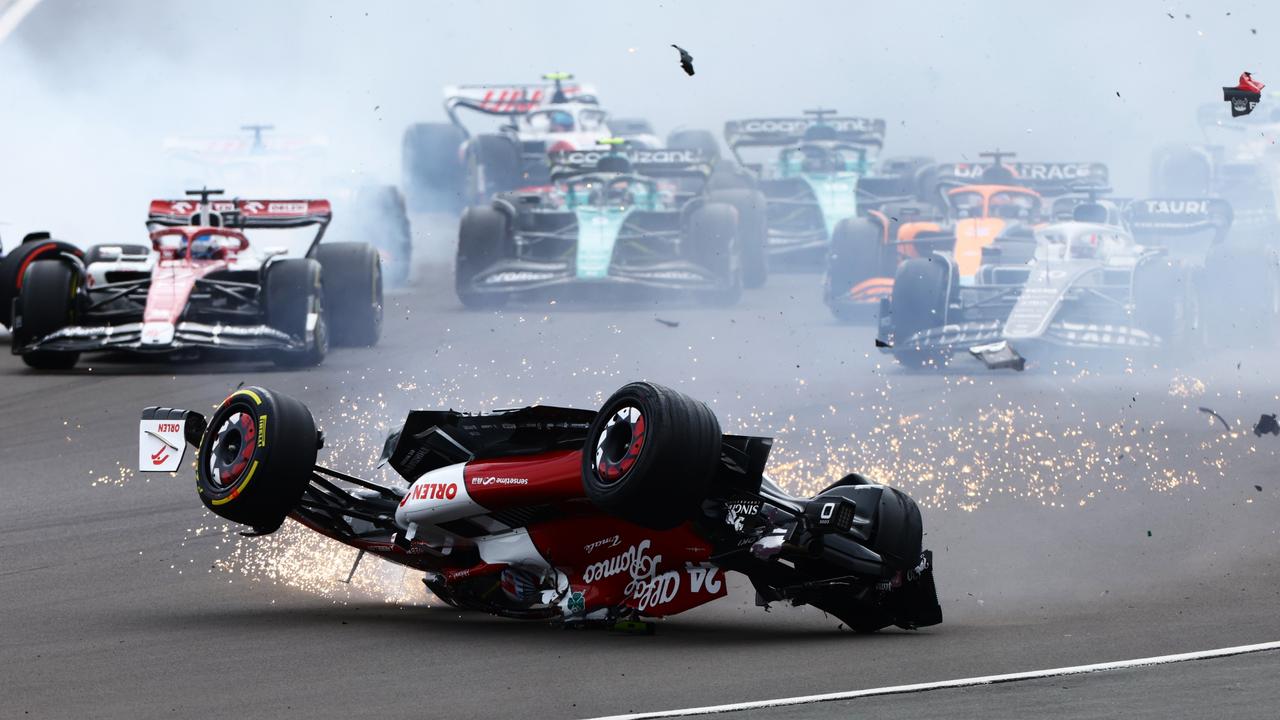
703 141
380 209
921 291
256 458
135 253
482 240
352 292
432 168
48 304
1240 296
712 237
753 232
14 266
854 256
1164 304
1181 171
493 165
650 455
294 292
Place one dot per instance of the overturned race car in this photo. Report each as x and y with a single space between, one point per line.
577 516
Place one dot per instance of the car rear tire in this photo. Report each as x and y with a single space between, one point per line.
381 214
352 292
432 168
256 458
919 302
14 266
493 165
711 240
753 233
703 141
49 295
483 237
650 455
854 256
294 292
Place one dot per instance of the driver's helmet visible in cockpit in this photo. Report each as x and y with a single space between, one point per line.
809 159
204 246
559 121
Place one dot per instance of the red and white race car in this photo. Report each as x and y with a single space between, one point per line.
202 284
448 166
638 510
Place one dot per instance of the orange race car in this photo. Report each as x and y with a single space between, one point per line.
980 207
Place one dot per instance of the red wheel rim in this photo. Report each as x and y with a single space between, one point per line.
620 443
232 449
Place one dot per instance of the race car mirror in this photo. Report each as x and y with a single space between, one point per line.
1245 96
163 436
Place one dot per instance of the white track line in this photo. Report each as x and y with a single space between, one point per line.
12 13
947 684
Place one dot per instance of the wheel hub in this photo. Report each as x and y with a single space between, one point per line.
620 443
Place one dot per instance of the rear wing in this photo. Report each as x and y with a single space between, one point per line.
243 213
511 100
1046 178
655 163
787 131
1161 217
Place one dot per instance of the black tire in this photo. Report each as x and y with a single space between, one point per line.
127 252
650 455
14 266
728 175
1181 171
432 168
692 139
753 232
483 237
352 292
294 291
383 218
711 239
921 290
50 289
256 458
493 165
854 256
1162 303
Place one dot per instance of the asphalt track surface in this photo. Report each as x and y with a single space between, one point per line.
1078 515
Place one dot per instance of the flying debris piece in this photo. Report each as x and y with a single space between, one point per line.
1266 424
1171 17
668 323
1253 30
1225 424
882 344
686 60
1258 487
1245 96
999 355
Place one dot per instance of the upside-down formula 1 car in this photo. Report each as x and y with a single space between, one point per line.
981 206
611 221
576 516
201 285
1086 283
448 166
822 170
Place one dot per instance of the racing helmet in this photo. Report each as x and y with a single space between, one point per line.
560 121
204 246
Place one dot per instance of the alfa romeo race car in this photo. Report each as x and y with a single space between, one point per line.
821 170
575 516
1085 283
611 220
202 285
447 166
263 163
981 206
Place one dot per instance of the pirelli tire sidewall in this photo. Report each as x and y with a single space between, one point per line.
650 456
277 466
